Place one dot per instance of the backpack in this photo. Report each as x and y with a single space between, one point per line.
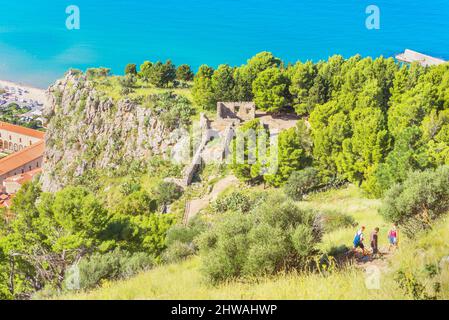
357 238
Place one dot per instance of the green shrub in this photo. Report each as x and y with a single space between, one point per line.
113 265
178 251
137 233
302 182
130 186
137 203
172 110
278 235
417 202
185 234
235 201
181 242
94 73
167 192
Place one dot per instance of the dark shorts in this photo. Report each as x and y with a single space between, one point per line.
359 245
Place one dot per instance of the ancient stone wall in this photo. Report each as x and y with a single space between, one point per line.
240 111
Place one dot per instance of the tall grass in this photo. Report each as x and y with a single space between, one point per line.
185 281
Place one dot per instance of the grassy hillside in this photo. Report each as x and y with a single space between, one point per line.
184 280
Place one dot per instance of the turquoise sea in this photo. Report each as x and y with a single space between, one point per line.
36 47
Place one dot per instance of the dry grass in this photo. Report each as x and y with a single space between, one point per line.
184 280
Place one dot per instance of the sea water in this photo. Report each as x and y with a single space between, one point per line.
36 47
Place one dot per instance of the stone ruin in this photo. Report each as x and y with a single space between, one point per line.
236 111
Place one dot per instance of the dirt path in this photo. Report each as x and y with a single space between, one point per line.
379 262
193 207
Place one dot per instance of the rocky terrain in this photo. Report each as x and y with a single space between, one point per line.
88 130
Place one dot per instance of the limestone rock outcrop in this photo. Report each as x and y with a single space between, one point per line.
86 129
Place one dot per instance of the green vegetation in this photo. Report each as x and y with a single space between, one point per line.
161 75
276 236
131 68
11 114
202 90
113 265
173 110
301 183
420 200
373 126
184 73
70 225
372 121
247 165
403 272
270 90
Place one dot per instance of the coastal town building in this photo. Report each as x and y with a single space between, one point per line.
13 184
15 138
25 154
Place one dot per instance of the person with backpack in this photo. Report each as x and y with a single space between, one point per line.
393 237
358 240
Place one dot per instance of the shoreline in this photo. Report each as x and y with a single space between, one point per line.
33 93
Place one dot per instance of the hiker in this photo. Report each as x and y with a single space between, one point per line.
358 240
393 237
374 241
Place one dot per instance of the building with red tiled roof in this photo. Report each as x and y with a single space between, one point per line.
26 147
14 183
15 138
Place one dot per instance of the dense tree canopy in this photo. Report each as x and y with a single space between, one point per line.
202 91
270 90
363 113
158 74
51 232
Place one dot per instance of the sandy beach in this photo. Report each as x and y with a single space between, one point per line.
28 92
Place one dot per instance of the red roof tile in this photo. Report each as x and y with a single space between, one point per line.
22 157
24 177
22 130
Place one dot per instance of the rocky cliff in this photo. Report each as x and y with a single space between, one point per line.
86 129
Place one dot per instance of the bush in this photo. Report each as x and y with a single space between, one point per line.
167 192
178 251
417 202
235 201
112 266
180 241
278 235
185 234
302 182
137 203
131 68
94 73
130 186
173 110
